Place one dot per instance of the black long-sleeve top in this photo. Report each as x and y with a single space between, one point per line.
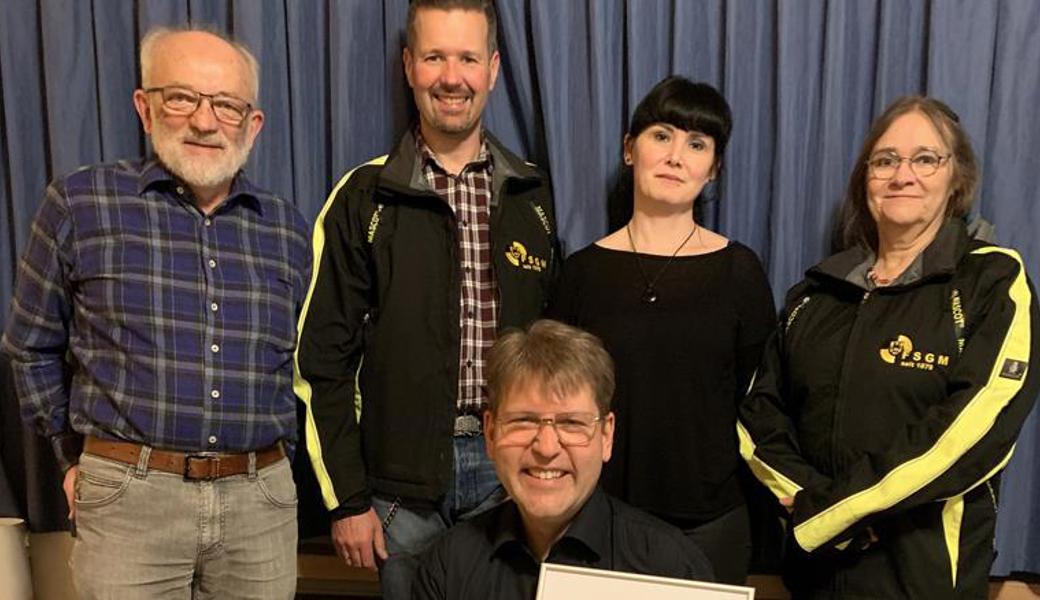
683 363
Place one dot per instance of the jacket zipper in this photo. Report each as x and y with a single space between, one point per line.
993 501
794 313
836 424
838 584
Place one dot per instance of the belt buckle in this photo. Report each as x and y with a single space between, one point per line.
468 426
212 466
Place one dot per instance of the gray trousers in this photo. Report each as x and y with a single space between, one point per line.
147 534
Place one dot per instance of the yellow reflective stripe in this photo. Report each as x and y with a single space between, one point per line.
300 385
777 482
357 389
973 422
953 513
952 516
1003 463
780 485
995 469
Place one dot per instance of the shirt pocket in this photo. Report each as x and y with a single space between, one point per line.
278 317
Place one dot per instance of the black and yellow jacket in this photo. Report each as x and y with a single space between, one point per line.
378 358
894 410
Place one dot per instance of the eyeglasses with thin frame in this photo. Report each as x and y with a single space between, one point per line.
521 428
925 163
179 100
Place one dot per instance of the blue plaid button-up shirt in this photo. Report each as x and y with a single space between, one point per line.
137 317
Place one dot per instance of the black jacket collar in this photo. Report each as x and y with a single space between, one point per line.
940 258
402 172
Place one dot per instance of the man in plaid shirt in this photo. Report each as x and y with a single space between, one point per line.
151 338
422 257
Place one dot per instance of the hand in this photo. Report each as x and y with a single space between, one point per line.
359 539
69 486
788 503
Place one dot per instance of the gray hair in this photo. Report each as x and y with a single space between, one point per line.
157 34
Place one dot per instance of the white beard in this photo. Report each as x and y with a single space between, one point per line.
199 171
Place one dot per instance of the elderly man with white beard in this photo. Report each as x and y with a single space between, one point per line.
151 336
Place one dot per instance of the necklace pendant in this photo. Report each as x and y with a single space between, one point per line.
649 295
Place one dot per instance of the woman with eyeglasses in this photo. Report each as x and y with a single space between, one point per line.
685 313
893 392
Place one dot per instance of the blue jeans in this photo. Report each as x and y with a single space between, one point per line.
147 534
475 489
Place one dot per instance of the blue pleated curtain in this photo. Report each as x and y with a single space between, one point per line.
804 78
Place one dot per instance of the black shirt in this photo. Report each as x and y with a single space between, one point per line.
683 364
487 556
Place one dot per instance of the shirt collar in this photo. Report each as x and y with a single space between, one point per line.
427 157
155 174
591 527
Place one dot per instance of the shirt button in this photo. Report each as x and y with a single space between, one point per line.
212 263
213 439
180 190
469 363
215 394
208 222
463 223
469 313
214 306
215 348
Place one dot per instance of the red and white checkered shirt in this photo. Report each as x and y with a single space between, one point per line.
469 196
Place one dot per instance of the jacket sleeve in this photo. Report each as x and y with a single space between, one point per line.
766 432
566 296
329 352
960 443
37 335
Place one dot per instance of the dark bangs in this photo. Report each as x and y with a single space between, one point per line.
691 106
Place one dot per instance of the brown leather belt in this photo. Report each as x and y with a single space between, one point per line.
204 466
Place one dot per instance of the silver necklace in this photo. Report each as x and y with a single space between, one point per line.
649 294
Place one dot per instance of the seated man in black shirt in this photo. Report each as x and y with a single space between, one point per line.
549 430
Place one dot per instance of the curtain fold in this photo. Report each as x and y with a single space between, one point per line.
804 79
750 79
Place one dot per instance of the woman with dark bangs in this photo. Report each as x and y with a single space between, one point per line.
685 313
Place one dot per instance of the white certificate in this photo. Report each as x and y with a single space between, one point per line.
560 582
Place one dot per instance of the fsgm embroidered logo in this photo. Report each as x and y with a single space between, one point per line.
900 351
518 257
